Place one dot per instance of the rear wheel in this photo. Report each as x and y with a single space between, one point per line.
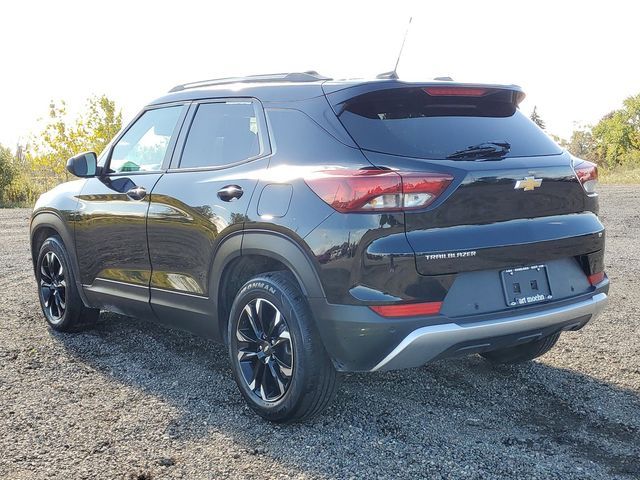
278 360
59 297
524 352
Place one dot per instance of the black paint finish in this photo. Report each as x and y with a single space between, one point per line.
163 245
111 242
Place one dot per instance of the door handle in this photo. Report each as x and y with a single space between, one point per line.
230 193
137 193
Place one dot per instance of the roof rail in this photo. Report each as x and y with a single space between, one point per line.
308 76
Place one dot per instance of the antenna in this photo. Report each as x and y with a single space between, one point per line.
395 69
394 73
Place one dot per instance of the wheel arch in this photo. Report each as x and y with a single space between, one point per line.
252 252
46 224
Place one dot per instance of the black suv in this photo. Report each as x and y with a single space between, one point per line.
319 226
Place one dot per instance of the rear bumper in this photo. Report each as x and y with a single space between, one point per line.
427 343
357 339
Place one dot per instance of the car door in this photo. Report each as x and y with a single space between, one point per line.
203 197
110 224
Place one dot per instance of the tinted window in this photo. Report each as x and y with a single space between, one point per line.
145 144
221 134
410 122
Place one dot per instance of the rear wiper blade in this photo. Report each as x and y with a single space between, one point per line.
482 151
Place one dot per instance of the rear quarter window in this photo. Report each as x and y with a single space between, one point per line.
410 122
222 133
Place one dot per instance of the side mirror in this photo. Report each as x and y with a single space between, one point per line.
83 165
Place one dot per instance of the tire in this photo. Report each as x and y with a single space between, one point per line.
57 290
522 353
278 360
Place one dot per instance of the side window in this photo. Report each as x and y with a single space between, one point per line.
145 144
221 134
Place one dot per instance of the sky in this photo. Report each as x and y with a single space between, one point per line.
576 60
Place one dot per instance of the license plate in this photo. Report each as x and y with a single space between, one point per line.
526 285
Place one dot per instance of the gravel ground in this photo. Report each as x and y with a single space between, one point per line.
136 401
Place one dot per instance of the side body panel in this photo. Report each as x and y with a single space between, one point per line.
111 243
186 224
191 224
313 147
55 211
111 220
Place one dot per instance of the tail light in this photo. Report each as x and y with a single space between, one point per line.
587 174
596 278
407 309
514 96
455 91
377 190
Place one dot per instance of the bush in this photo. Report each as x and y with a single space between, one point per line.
23 191
7 172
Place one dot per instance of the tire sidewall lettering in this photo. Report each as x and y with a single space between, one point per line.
258 286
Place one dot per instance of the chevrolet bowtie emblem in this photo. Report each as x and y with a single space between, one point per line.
528 183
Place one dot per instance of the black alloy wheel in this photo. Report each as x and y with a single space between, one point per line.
277 357
53 287
60 299
265 351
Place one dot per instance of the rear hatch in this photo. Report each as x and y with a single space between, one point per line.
514 197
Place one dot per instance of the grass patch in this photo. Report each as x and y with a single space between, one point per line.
620 175
16 205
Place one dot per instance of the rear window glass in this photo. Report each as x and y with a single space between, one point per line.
410 122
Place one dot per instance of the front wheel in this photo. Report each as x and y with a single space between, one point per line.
57 290
277 357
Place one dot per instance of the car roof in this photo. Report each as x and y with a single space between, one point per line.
287 87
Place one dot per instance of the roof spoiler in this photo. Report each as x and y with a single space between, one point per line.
338 93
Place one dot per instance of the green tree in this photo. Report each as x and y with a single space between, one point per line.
617 134
535 117
103 122
582 144
7 172
63 137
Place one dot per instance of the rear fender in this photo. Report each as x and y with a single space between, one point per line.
266 243
280 247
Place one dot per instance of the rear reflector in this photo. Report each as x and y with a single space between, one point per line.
587 174
455 91
407 309
596 278
377 190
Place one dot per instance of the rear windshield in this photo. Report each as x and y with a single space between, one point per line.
410 122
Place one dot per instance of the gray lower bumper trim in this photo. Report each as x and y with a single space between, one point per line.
426 343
